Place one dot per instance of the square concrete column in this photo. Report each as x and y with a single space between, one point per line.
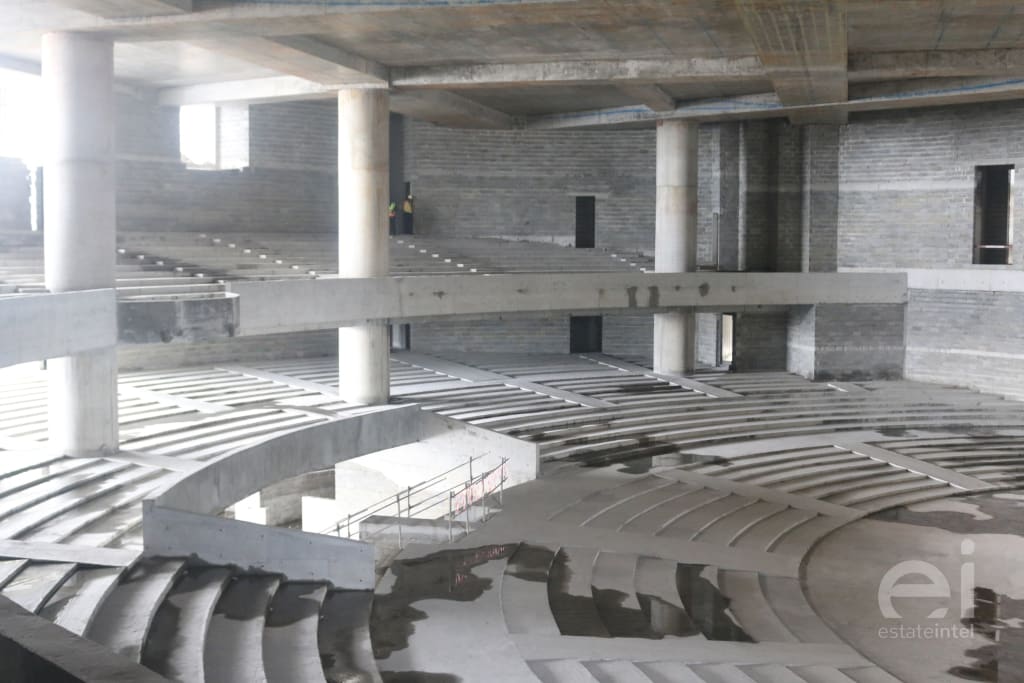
675 240
80 232
363 353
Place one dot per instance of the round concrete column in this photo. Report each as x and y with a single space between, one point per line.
675 240
80 232
363 351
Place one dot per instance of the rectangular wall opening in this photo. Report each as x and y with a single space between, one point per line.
725 338
586 222
993 214
585 334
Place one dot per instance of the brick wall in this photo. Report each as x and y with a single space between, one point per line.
629 336
967 338
759 341
522 184
507 334
289 187
907 183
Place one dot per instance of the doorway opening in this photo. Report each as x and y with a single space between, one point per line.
586 222
585 334
726 327
993 214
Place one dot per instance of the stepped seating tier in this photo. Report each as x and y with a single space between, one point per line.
667 534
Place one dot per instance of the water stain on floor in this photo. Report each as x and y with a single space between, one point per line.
444 575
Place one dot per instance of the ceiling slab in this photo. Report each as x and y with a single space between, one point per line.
802 45
302 56
112 9
449 109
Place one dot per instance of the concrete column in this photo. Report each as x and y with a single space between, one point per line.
363 353
80 231
675 240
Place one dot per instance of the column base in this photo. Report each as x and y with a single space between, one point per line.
83 403
675 342
364 364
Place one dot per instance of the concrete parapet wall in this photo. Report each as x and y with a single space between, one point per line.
847 342
177 319
41 326
296 554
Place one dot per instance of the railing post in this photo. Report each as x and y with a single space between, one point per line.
398 500
468 485
501 483
451 494
349 526
408 502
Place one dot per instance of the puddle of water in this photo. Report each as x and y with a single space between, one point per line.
706 605
998 619
444 575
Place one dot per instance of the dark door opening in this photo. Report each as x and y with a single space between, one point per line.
586 222
585 334
993 214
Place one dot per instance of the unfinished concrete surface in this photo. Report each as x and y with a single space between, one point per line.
610 462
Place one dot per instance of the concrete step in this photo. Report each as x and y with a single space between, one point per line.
75 605
176 642
344 638
524 591
562 671
616 672
290 637
571 596
233 652
124 619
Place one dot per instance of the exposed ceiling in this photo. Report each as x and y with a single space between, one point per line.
554 63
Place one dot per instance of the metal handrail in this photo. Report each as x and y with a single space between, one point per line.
434 500
385 503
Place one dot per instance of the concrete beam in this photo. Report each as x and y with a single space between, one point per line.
768 105
803 48
449 109
639 71
249 91
895 66
650 95
271 307
302 56
115 9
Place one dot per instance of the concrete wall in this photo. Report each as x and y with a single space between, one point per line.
847 342
503 334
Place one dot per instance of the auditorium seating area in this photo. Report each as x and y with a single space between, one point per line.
661 503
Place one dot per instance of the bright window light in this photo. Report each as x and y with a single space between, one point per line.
21 117
199 135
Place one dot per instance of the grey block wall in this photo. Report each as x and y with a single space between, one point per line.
508 334
967 338
759 341
857 342
523 184
629 336
907 183
290 185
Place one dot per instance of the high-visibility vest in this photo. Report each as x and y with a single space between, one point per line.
391 209
407 206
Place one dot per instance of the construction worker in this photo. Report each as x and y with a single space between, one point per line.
392 213
407 207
